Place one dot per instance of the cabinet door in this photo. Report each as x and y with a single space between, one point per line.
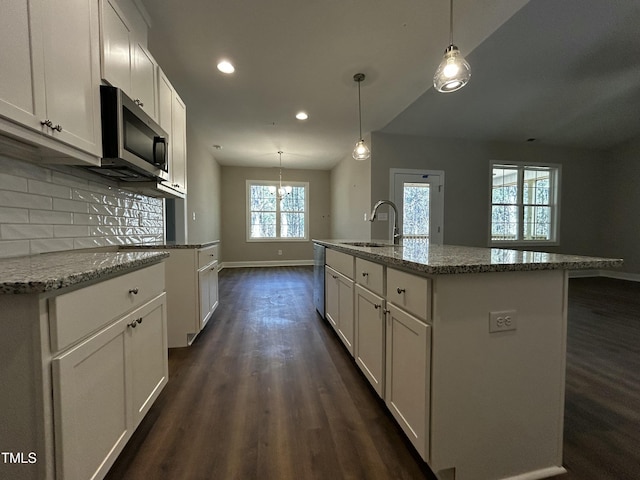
203 301
72 72
22 78
143 79
370 335
331 295
178 167
213 287
147 332
346 324
408 373
92 415
165 105
116 55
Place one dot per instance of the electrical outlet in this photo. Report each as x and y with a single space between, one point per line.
279 252
503 321
194 216
365 216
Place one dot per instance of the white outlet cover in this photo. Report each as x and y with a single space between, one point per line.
503 321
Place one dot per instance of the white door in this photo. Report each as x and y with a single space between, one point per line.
419 196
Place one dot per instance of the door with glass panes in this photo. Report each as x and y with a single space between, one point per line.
419 196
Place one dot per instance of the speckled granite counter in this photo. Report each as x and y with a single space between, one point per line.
422 257
52 271
169 246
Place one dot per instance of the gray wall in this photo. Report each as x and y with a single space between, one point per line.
235 247
203 189
621 222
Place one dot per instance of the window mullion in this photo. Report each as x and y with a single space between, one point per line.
520 200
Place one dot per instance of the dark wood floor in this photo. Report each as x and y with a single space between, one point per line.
268 392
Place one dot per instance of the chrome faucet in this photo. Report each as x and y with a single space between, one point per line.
396 230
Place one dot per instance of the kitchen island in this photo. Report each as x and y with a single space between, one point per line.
465 345
83 356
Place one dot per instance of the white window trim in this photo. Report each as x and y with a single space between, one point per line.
554 203
275 184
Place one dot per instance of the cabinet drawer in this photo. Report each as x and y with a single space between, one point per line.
409 292
76 314
207 255
341 262
370 275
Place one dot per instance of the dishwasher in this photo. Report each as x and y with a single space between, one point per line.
318 277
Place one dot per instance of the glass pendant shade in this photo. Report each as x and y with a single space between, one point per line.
453 73
361 151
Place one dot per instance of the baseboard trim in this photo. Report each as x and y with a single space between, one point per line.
632 277
267 263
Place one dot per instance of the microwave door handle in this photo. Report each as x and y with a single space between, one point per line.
157 141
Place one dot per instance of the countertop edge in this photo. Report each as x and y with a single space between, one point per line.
169 246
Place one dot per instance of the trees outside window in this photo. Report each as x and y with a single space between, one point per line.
270 218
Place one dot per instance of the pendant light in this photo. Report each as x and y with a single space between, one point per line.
361 151
454 72
282 191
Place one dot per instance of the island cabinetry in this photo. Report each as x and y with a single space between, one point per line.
104 386
370 337
339 296
50 79
408 355
126 64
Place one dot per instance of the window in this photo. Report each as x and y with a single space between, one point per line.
524 203
269 219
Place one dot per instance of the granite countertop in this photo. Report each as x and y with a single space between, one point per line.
168 245
52 271
422 257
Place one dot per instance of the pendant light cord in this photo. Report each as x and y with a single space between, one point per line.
451 22
359 110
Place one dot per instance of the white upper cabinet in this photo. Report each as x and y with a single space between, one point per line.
50 73
126 64
172 117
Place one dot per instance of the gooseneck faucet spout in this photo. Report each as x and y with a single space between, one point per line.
396 231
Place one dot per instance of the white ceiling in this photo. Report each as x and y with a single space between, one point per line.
565 72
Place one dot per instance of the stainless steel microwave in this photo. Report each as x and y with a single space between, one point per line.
134 146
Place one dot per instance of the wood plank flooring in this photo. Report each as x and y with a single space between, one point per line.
268 392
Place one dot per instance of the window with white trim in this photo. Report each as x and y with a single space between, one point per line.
270 218
524 203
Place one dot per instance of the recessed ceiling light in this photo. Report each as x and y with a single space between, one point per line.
226 67
217 147
302 115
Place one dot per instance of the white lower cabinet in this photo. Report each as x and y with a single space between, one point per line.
370 336
408 371
104 386
339 305
208 285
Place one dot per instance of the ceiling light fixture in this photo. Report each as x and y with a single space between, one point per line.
282 191
302 115
226 67
361 151
454 72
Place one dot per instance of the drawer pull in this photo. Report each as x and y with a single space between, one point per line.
47 123
335 277
385 311
133 291
135 323
400 290
365 274
57 128
376 306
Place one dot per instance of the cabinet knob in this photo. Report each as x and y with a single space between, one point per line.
138 102
376 306
132 324
57 128
335 277
400 290
133 291
47 123
365 274
385 311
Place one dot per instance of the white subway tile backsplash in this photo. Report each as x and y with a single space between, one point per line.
50 217
49 189
14 248
51 245
70 231
25 231
24 200
13 183
14 215
60 208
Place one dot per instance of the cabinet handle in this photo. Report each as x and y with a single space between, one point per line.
138 102
400 290
365 274
212 254
47 123
57 128
385 311
376 306
135 323
133 291
335 277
